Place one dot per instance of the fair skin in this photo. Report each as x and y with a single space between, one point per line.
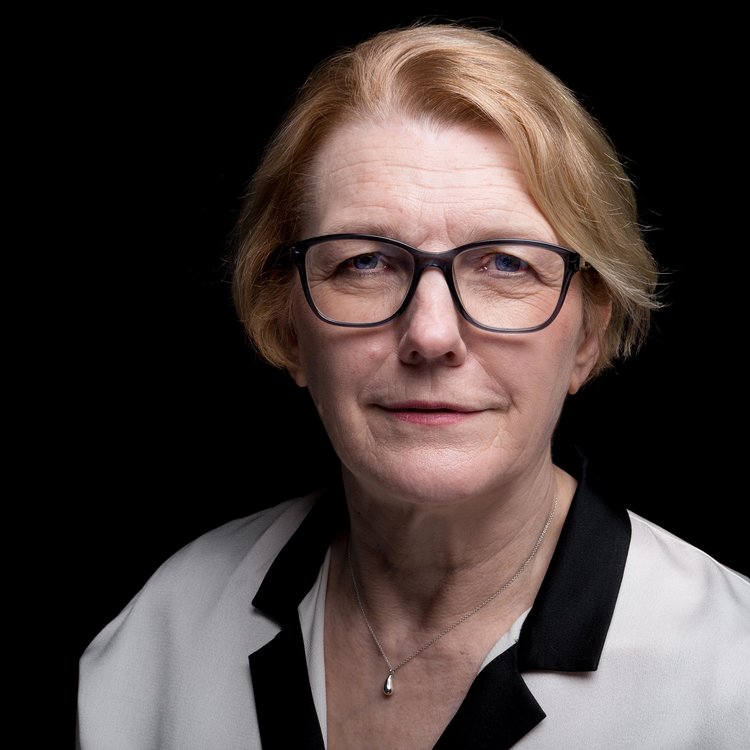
443 430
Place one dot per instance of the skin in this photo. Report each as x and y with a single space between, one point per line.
443 430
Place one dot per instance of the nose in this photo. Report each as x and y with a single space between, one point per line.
432 325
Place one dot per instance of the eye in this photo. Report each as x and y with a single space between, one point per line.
366 262
509 263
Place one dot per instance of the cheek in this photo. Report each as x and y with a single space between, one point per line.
339 369
334 362
346 361
538 383
537 369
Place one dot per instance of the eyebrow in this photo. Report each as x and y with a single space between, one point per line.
508 232
477 234
381 230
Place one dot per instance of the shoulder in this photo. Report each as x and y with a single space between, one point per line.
681 609
248 545
679 572
191 625
679 641
206 571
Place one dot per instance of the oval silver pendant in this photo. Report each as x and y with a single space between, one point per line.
388 685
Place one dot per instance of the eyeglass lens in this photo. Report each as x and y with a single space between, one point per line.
500 286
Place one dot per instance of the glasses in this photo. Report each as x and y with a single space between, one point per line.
506 285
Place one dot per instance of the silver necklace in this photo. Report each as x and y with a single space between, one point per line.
388 684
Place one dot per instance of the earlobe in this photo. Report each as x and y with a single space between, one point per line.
294 366
589 347
584 364
293 354
298 375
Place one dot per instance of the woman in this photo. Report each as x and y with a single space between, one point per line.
440 245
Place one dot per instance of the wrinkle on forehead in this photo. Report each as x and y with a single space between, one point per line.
452 184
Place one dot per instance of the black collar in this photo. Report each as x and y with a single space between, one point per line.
564 631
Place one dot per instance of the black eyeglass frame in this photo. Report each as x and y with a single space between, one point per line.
423 260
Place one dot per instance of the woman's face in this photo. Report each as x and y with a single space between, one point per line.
429 409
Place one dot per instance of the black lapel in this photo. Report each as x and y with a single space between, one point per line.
567 626
283 697
564 631
498 710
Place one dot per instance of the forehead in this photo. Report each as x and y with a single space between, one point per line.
418 181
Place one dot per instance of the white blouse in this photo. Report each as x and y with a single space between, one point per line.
636 640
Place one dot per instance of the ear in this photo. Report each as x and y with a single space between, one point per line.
589 346
294 365
292 349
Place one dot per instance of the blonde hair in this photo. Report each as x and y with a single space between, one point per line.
452 74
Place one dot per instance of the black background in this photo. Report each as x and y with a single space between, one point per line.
162 423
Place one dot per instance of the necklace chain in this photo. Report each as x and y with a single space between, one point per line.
388 686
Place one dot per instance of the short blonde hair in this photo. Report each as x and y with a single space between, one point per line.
452 74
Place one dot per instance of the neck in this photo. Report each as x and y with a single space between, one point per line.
426 565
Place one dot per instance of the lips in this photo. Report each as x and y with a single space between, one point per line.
428 406
433 413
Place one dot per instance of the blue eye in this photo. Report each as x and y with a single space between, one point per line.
509 263
365 262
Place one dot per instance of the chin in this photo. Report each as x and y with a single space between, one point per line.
437 475
437 486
